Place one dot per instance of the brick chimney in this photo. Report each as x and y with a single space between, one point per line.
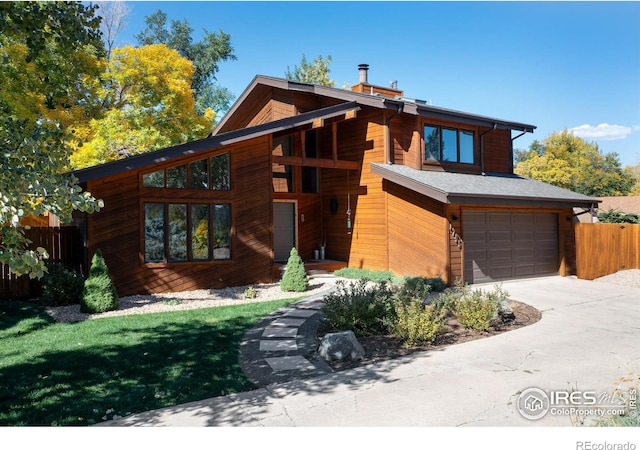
366 88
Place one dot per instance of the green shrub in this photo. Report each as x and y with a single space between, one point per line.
295 276
420 287
361 308
99 294
61 286
250 293
378 276
417 323
476 309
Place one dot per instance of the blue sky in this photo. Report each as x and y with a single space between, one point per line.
556 65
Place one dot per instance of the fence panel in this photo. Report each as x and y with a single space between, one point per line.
605 248
64 245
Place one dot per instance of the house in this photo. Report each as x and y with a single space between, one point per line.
384 181
626 204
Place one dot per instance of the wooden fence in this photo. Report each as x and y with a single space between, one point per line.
605 248
64 245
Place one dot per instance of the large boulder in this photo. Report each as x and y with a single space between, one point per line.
340 346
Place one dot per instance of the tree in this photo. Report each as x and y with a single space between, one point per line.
206 55
569 162
317 72
295 276
48 51
150 106
114 15
99 294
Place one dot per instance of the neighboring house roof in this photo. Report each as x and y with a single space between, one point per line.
189 148
628 204
406 105
491 189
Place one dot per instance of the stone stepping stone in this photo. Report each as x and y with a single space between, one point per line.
278 345
285 363
279 332
287 322
300 313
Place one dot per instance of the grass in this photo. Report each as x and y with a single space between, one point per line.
87 372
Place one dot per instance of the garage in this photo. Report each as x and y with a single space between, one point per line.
507 245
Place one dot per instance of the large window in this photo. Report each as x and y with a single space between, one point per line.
282 174
177 232
211 173
448 144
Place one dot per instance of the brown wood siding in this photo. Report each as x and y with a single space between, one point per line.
418 241
361 139
456 244
497 151
117 228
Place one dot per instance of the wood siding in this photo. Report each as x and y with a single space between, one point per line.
118 228
497 151
605 248
418 242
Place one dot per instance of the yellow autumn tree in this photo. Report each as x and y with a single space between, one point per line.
150 105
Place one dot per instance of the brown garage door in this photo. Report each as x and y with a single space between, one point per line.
502 245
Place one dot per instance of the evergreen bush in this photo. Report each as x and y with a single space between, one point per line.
61 286
99 294
295 276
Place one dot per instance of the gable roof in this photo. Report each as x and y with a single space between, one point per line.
629 204
211 142
406 105
490 189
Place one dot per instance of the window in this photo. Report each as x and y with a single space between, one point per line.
210 173
282 174
178 232
448 145
310 174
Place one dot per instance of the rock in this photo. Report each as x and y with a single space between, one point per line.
340 346
505 313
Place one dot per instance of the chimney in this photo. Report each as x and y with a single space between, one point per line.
363 68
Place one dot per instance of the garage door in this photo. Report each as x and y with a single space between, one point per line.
502 245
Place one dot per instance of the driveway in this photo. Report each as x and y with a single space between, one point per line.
586 340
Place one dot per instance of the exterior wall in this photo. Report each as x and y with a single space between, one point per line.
118 228
418 242
498 157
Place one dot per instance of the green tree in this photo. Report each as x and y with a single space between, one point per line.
316 72
99 293
206 55
295 276
48 50
150 106
569 162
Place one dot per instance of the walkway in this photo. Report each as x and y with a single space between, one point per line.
282 347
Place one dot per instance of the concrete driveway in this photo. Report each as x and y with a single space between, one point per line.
585 342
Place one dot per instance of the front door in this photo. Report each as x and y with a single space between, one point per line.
284 229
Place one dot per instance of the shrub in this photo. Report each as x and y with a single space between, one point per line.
99 294
420 287
361 308
417 323
61 286
250 293
295 276
476 309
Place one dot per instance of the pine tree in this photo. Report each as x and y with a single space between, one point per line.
99 294
295 276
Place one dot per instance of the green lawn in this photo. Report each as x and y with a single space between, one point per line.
79 373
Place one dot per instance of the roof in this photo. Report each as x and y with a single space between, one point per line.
406 105
211 142
628 204
489 189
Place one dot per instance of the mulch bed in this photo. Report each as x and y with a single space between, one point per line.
384 347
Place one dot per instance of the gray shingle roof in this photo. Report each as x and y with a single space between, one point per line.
490 189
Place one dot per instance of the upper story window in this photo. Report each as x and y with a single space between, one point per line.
448 144
210 173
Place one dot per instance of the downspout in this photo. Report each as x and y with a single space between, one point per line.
513 139
495 125
388 146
